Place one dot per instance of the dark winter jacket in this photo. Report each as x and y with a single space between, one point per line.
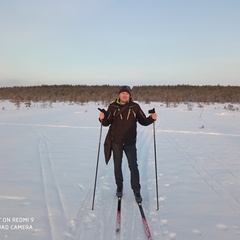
124 127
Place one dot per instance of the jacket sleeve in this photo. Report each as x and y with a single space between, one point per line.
108 117
142 119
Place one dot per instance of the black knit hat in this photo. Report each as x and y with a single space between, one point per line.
125 89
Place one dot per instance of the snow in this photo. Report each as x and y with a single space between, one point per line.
48 162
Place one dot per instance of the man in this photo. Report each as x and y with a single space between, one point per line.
122 116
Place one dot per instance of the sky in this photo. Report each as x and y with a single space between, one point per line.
134 42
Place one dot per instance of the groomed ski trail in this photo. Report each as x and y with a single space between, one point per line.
100 223
52 195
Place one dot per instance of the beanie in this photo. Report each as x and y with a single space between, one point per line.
125 89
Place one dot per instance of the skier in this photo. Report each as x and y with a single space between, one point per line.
122 115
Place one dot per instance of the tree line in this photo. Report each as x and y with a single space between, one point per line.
107 93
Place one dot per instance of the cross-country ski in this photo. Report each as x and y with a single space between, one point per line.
145 223
144 220
118 225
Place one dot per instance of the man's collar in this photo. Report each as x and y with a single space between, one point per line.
121 103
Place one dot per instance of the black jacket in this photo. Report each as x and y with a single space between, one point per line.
123 128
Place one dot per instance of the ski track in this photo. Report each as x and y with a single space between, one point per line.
90 222
215 174
147 168
215 184
55 208
100 223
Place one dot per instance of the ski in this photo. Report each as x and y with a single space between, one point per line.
144 220
118 225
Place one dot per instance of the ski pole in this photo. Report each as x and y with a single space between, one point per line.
99 146
155 156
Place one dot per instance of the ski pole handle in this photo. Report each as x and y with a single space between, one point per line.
151 111
102 110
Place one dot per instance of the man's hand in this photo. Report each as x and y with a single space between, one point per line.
101 116
153 116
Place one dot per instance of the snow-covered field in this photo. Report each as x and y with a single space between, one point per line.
48 160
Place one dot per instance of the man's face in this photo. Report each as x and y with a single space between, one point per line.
124 97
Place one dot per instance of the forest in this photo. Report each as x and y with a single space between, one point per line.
107 93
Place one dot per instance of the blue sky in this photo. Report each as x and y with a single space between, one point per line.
131 42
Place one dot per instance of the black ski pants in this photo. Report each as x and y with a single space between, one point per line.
131 154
